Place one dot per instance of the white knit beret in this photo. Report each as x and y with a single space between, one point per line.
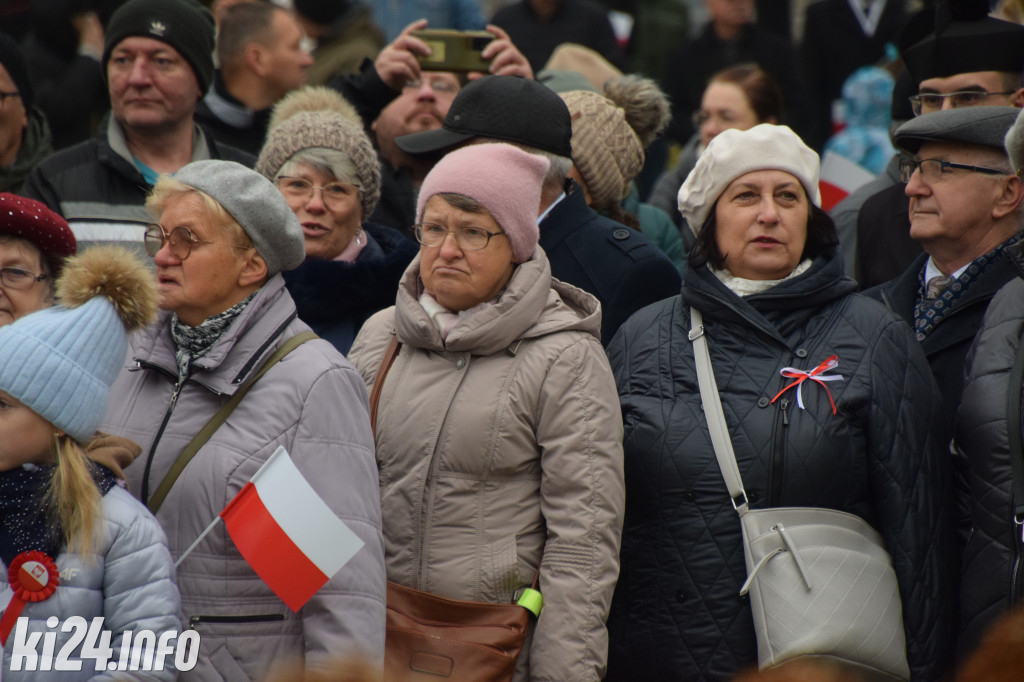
733 153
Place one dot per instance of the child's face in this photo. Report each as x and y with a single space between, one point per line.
24 435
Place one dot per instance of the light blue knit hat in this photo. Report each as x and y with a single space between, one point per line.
61 361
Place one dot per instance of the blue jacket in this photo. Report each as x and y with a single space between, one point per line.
619 266
128 580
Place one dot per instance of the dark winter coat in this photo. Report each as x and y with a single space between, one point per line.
677 613
335 298
947 345
619 266
991 573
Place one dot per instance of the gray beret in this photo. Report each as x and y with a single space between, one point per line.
1015 143
256 205
982 126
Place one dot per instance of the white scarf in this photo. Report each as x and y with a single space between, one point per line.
746 287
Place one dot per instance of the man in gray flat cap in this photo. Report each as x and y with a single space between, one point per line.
986 430
965 210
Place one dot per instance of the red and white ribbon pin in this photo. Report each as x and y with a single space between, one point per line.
817 374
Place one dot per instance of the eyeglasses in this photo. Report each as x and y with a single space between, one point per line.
933 170
468 238
5 95
181 240
442 85
17 278
699 118
335 194
932 101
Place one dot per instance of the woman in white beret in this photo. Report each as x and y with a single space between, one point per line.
767 277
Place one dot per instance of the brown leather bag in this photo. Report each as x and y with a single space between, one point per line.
432 638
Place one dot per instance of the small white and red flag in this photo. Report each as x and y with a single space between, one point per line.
287 533
840 177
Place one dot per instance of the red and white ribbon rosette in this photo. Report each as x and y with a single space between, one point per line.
817 374
34 577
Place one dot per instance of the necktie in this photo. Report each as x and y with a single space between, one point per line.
935 286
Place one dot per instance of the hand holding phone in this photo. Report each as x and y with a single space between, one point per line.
454 50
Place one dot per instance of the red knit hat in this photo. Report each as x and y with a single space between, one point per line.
32 221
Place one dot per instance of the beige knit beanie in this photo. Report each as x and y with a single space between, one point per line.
610 132
318 117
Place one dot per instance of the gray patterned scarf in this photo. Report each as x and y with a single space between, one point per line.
192 343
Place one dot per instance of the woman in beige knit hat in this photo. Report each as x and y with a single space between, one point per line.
609 134
325 166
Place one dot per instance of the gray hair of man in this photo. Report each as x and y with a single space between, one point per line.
243 24
321 159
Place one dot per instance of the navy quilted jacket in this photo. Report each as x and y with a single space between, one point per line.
677 613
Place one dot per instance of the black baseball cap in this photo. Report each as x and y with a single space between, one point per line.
507 108
960 37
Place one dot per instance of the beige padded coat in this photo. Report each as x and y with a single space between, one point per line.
500 446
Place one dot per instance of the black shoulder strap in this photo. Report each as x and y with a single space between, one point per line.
219 418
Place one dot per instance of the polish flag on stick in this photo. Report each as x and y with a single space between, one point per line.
840 177
286 532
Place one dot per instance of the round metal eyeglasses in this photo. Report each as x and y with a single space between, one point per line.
181 241
300 190
19 278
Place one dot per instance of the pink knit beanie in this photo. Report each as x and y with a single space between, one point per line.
504 179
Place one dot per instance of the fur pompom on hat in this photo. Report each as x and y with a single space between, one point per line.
611 131
318 117
733 153
504 179
61 361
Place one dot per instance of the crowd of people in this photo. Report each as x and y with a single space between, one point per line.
468 305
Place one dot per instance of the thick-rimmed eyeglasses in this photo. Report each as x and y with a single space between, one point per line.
928 102
468 238
934 170
181 241
18 278
334 193
5 95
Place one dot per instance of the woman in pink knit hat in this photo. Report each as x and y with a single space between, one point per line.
498 436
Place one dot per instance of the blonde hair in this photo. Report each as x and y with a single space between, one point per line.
168 189
72 497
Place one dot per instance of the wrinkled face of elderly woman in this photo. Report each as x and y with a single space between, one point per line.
761 224
21 290
457 276
328 209
206 270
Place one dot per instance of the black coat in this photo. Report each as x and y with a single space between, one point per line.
335 298
947 345
677 613
619 266
992 570
884 246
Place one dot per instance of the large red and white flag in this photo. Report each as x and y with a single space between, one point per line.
287 533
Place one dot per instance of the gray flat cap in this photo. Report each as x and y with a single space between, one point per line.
983 126
255 203
1015 143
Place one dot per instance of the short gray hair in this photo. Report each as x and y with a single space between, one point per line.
331 162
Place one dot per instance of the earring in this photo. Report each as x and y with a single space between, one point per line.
359 237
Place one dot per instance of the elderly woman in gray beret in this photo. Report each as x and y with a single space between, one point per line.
325 166
222 237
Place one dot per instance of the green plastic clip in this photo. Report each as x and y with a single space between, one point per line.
532 601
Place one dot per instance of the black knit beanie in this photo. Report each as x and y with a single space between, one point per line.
14 62
185 25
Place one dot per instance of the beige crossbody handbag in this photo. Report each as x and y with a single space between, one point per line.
820 581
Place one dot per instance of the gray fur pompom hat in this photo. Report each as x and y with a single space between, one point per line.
318 117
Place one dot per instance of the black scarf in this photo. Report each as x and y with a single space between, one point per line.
24 523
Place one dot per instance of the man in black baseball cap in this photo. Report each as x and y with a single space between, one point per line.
965 210
615 264
158 63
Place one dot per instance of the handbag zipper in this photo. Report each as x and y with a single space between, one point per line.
193 621
778 450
